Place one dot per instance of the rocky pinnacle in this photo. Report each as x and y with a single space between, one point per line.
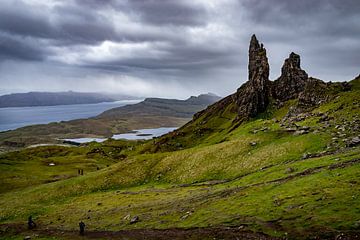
253 97
292 80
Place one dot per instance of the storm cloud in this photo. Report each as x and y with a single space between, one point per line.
169 48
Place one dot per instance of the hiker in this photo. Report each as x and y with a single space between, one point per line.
82 227
31 223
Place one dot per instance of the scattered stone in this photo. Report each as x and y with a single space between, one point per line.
353 142
27 238
301 132
135 219
341 236
289 170
305 128
253 144
324 118
290 129
127 217
184 217
264 129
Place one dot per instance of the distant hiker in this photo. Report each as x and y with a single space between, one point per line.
82 171
82 227
31 223
79 171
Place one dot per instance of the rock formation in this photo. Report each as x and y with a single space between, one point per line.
253 97
292 80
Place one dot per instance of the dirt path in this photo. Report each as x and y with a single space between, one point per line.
165 234
137 234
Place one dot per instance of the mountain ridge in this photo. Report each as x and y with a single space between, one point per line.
32 99
167 107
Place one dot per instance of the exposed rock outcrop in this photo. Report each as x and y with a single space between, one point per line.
253 96
314 93
292 80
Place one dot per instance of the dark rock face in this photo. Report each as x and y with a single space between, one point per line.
253 96
314 93
292 80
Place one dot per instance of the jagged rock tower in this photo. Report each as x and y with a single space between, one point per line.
292 80
253 97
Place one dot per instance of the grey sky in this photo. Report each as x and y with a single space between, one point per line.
169 48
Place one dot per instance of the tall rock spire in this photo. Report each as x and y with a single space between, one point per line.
292 80
253 96
258 63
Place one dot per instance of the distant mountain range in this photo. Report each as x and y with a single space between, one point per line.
163 107
31 99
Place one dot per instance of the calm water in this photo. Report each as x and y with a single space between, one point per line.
140 134
15 117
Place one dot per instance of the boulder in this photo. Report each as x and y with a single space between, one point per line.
135 219
353 142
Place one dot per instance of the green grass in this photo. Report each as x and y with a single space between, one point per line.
214 178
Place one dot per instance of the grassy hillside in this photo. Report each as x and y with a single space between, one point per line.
281 174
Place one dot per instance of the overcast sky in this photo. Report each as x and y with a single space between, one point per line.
169 48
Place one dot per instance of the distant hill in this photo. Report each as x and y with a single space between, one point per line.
164 107
150 113
31 99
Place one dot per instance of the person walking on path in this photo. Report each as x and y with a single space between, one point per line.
82 227
31 223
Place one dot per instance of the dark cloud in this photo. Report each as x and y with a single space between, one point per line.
18 18
195 45
169 12
20 48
